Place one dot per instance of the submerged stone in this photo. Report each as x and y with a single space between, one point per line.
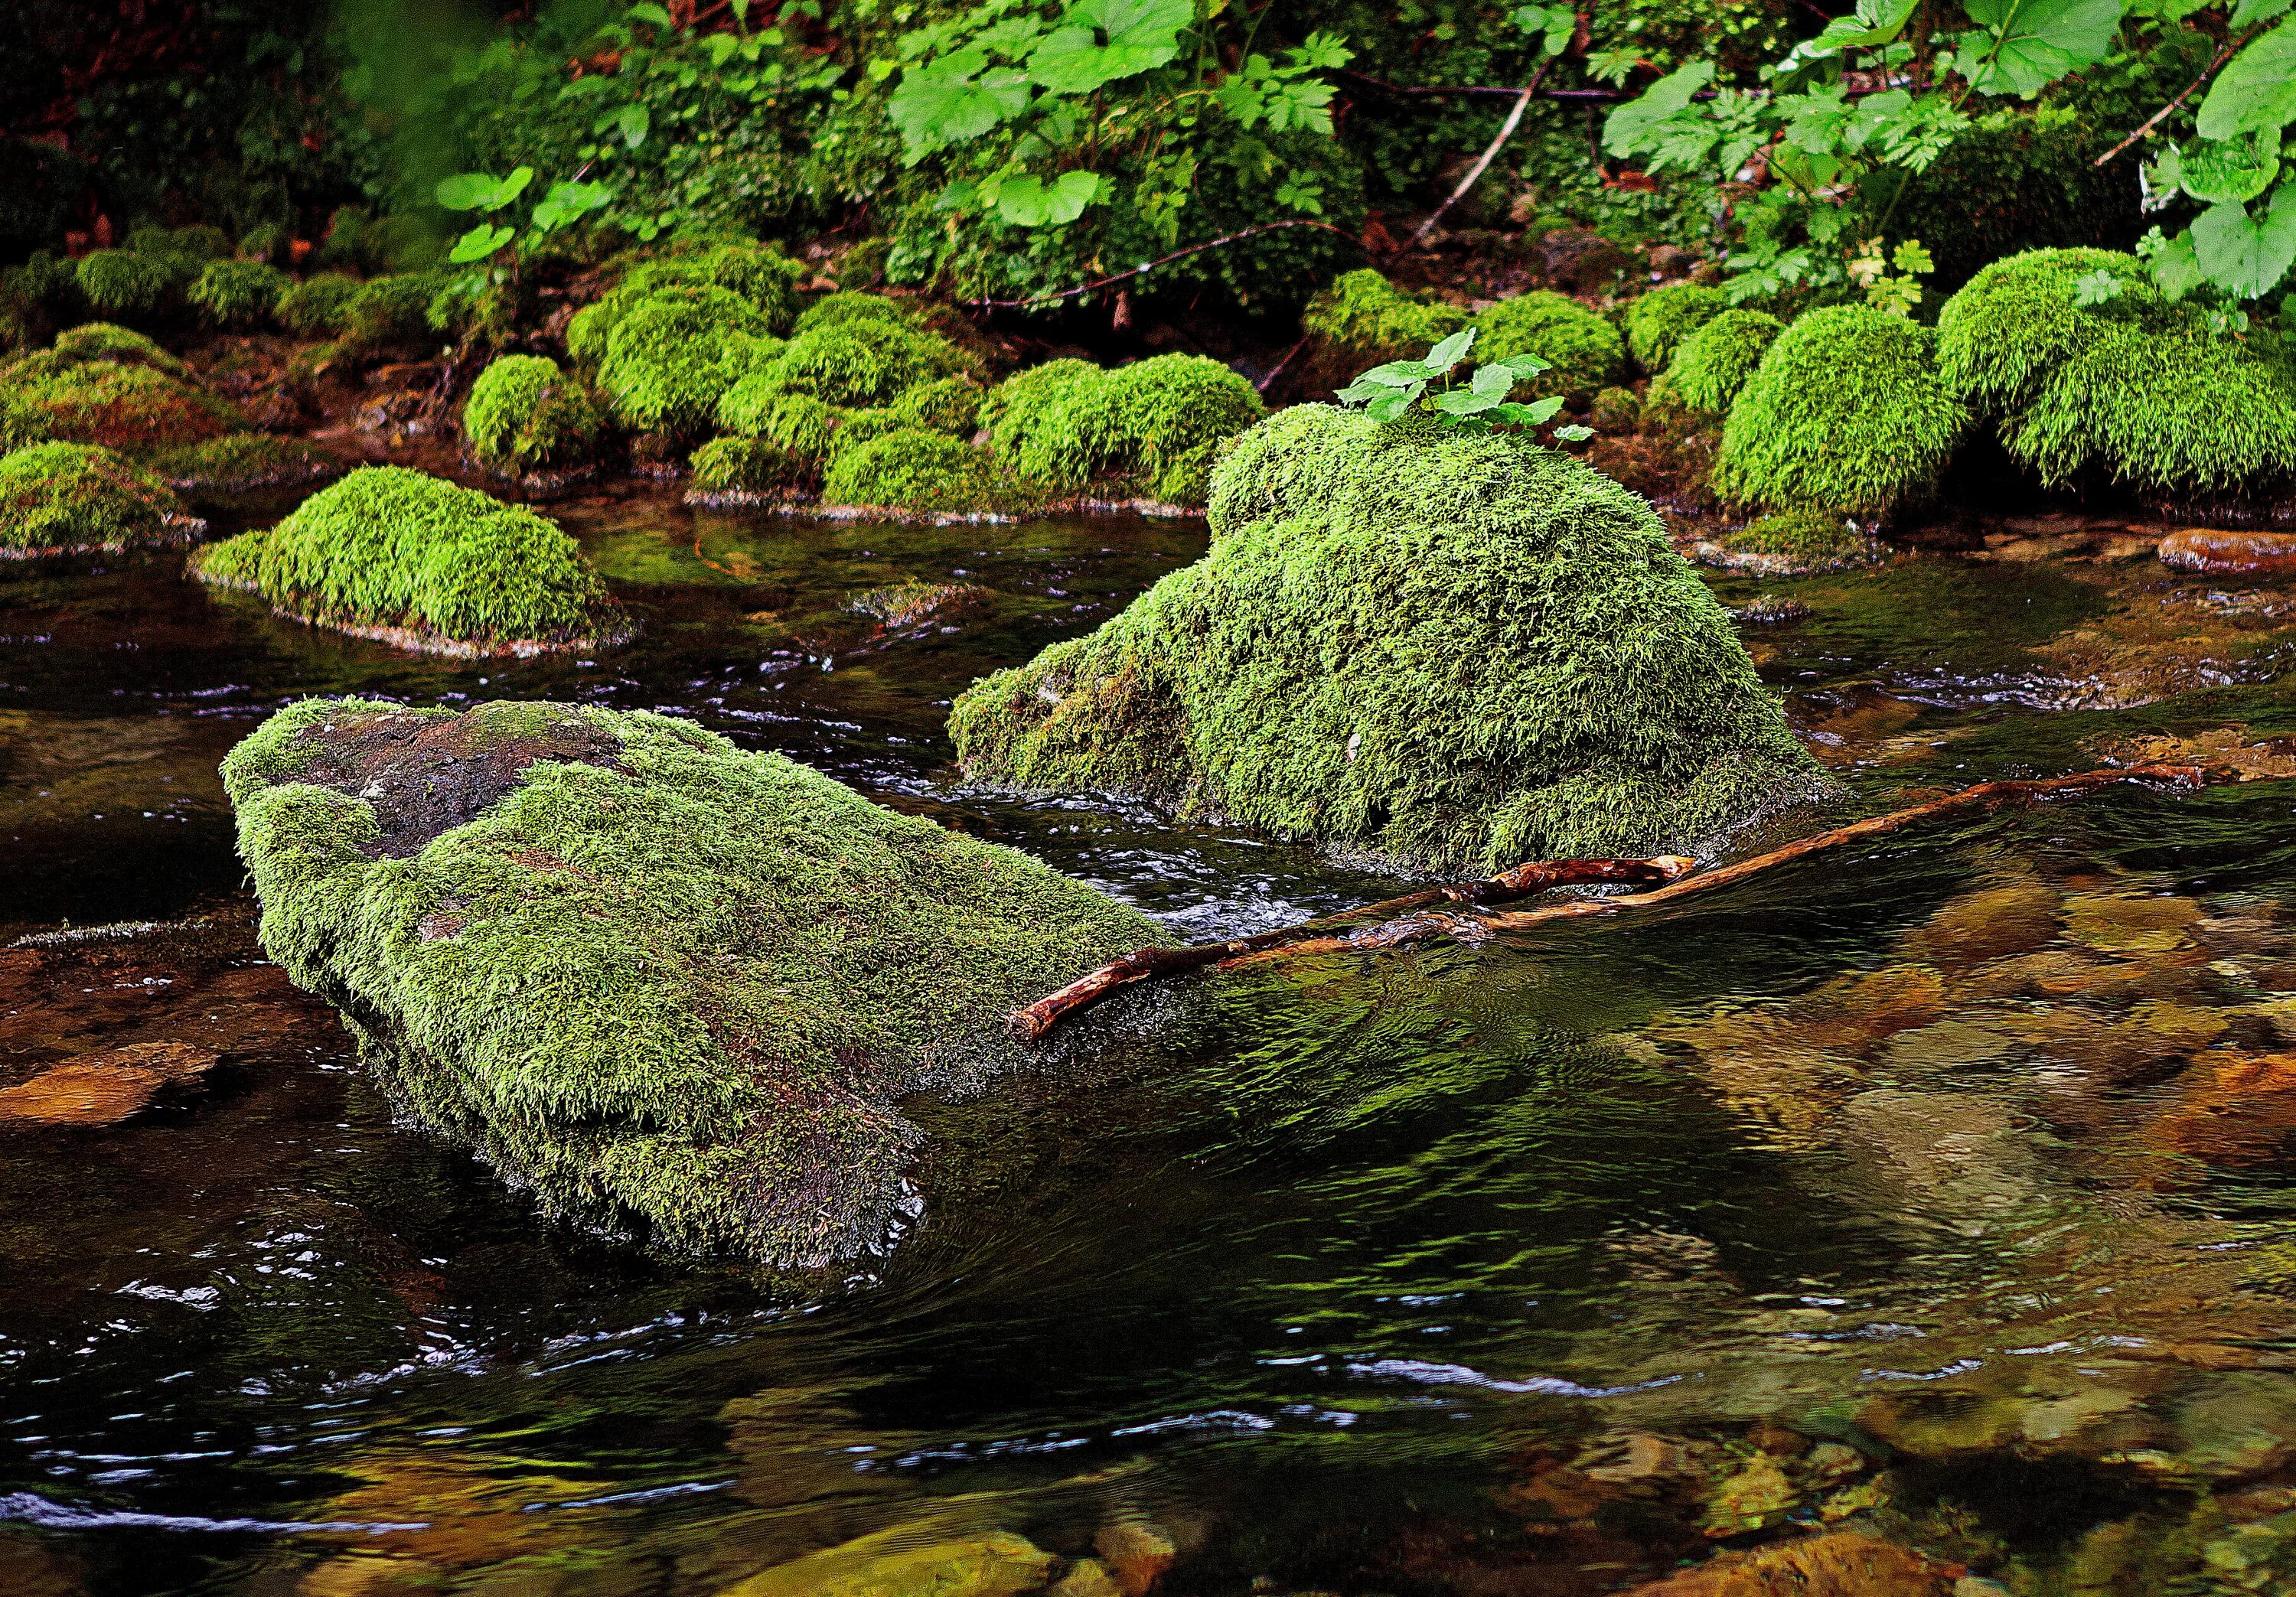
106 1087
894 1564
2221 552
656 979
1458 652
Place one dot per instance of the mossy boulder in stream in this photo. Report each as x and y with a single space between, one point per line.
63 498
109 385
655 978
413 560
525 416
1460 651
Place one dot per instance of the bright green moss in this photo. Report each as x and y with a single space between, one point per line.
62 497
860 363
845 308
1460 651
1370 319
319 307
1028 402
426 561
524 414
763 279
1713 363
796 423
950 405
2134 387
121 285
391 313
855 428
1845 412
749 467
134 408
238 294
1153 427
1659 321
238 462
672 357
1582 350
929 473
658 981
1806 537
104 343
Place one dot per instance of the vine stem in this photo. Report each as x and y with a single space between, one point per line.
2158 117
1150 265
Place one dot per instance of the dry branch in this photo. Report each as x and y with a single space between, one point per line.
1411 919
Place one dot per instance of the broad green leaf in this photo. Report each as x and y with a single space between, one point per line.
1631 123
1448 353
2243 255
1388 407
480 242
2255 92
1028 201
1463 402
1528 416
1523 365
1399 373
1574 433
2028 44
565 202
467 191
947 103
1100 41
635 122
1875 23
2216 170
1357 391
1494 381
646 11
2249 13
721 47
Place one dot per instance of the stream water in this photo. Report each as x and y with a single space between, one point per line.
1939 1188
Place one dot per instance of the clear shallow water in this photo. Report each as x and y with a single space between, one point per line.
1500 1269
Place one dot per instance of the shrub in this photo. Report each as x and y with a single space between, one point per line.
671 357
1372 320
861 363
425 561
842 309
660 981
238 462
239 294
910 469
65 497
1462 651
123 285
319 307
524 414
1713 363
1582 350
748 466
1846 413
1659 321
1068 423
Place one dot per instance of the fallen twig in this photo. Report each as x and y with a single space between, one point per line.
1411 919
2158 117
1482 164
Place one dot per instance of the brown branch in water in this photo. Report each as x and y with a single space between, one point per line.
1406 924
2207 72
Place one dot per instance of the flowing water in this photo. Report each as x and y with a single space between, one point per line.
1938 1189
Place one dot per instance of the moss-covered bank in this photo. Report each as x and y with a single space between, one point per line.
1458 652
391 554
75 498
656 980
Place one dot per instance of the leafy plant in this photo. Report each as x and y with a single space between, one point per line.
1388 392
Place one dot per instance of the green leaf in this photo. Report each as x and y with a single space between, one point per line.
953 100
2219 169
1875 23
1029 203
1400 373
467 191
633 122
1574 433
2241 254
1524 366
2028 44
721 48
566 201
1526 416
1388 407
2176 267
1493 380
1100 41
646 11
2255 92
1463 402
1448 353
480 242
1630 123
2249 13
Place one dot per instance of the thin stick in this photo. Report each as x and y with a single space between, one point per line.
1277 371
1482 164
1323 936
2207 72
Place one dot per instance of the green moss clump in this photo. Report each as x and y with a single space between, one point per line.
1846 413
847 307
909 469
656 980
861 363
748 467
950 405
1582 350
239 294
238 462
1714 362
1616 409
1659 321
1372 320
422 561
1460 651
105 343
2134 387
762 278
1156 425
524 414
119 403
1806 537
121 285
57 498
391 313
797 423
671 357
271 242
319 307
37 297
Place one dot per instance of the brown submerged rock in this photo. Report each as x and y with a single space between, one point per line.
2227 552
104 1088
1842 1563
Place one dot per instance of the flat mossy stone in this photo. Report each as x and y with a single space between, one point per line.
664 983
238 462
77 498
1453 650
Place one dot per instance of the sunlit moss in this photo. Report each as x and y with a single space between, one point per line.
524 414
101 342
238 294
317 306
1659 321
847 307
762 277
656 979
1712 365
950 405
797 423
1461 652
909 469
1369 318
671 357
1582 350
1153 427
392 550
1806 536
861 363
76 496
1845 412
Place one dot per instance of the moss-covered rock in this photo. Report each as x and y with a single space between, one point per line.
102 384
2131 386
1846 413
241 463
390 313
1459 652
107 343
1615 410
762 277
949 404
1582 350
1713 363
924 473
67 498
672 356
847 307
392 554
525 416
797 423
1371 320
656 979
1153 427
733 470
860 363
123 286
319 307
1659 321
238 295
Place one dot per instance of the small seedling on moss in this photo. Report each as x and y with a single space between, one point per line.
1388 392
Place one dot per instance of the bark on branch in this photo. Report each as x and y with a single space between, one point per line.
1413 918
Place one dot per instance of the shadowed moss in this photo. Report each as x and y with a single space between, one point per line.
744 466
1459 652
524 414
56 497
1714 363
662 982
102 343
122 285
238 461
797 423
2133 386
1615 410
317 306
672 356
238 294
1659 321
1154 426
1845 412
391 313
391 551
1808 536
105 389
1582 350
910 469
1367 316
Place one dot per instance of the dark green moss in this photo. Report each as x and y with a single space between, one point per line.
659 981
111 395
1616 409
391 313
1367 317
238 294
64 497
745 468
2020 180
122 285
319 307
1659 321
524 414
1459 652
1810 537
1845 412
1583 351
929 473
417 559
238 462
1713 363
